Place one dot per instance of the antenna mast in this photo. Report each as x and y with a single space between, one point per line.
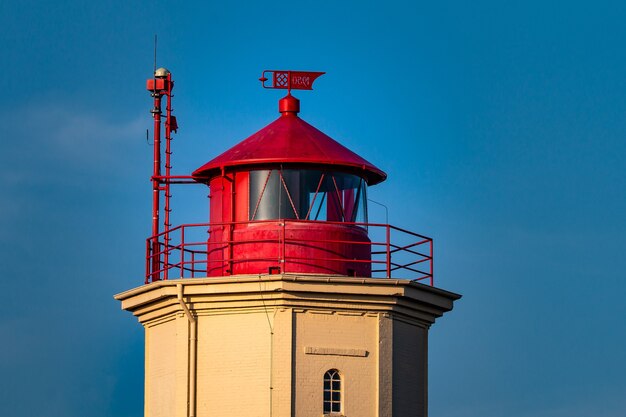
161 85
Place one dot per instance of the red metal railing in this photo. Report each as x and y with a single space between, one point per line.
191 253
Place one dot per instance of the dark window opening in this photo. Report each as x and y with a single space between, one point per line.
332 392
307 195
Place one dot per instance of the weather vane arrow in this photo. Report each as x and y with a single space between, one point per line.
289 80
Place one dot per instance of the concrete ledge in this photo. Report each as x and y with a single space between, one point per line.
327 294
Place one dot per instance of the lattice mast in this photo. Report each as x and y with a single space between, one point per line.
161 85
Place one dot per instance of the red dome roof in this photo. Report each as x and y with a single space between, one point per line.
290 141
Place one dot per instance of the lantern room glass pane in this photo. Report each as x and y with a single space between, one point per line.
307 195
275 195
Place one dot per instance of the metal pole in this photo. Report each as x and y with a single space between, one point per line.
283 268
156 173
432 264
182 251
388 251
147 277
168 167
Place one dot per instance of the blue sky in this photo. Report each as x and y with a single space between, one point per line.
500 124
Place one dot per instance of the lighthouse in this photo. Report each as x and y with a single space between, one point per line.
288 301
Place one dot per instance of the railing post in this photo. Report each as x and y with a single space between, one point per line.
388 251
231 255
156 259
282 249
432 264
166 260
193 264
147 278
182 251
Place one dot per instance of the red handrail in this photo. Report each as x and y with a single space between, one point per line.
403 252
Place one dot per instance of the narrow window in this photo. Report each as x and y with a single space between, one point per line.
332 392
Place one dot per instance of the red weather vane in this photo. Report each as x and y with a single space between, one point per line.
289 80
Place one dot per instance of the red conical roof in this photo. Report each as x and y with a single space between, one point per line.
290 141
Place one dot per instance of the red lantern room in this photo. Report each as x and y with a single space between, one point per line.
291 184
288 199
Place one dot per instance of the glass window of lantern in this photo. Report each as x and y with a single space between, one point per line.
274 195
307 195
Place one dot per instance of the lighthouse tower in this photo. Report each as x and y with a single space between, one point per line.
288 302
